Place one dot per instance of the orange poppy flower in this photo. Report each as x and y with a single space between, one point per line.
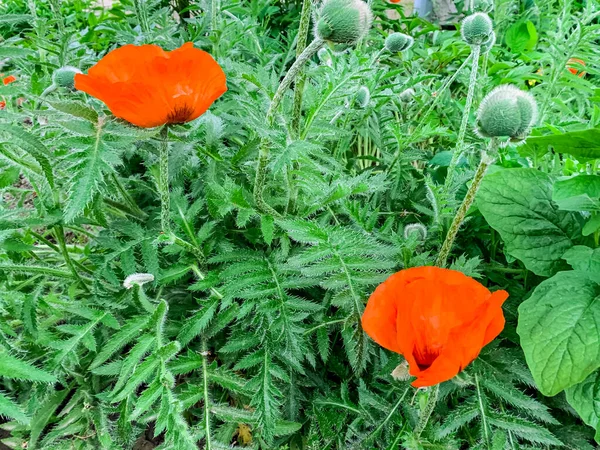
9 79
148 86
574 70
2 104
439 319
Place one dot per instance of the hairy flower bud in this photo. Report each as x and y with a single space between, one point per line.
65 76
506 111
418 230
398 42
476 28
407 95
363 96
343 21
137 279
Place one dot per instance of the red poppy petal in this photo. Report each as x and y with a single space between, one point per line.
379 318
465 343
9 79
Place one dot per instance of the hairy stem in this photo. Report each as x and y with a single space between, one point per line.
427 411
263 151
464 207
302 38
207 428
140 12
460 141
163 182
214 11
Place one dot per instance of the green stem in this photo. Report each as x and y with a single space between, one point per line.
207 429
163 182
60 237
214 12
140 12
482 411
302 38
263 152
464 207
460 141
427 411
133 205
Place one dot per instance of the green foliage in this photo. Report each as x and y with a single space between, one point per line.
518 204
246 332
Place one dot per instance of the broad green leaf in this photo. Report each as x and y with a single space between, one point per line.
518 204
559 327
521 36
578 193
585 399
584 259
591 226
583 144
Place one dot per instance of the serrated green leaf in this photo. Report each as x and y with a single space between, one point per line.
32 145
584 259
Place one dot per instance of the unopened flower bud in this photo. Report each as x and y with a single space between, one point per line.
363 96
476 28
506 111
418 230
343 21
138 279
398 42
65 76
407 95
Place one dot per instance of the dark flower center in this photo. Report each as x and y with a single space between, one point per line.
180 114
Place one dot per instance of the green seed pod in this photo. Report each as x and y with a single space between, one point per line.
65 76
476 28
343 21
363 96
506 111
398 42
487 45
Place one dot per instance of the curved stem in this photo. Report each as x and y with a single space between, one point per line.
464 207
264 149
460 141
163 182
303 30
427 411
60 238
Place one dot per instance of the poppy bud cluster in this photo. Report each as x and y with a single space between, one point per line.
476 29
507 111
343 21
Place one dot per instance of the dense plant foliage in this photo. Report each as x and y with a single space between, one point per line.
235 322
